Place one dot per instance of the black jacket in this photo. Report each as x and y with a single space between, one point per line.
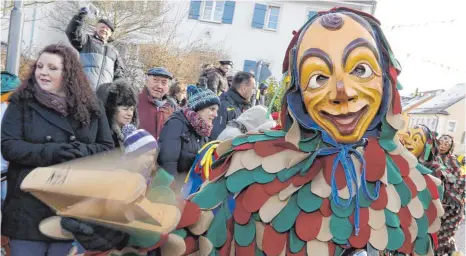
101 61
231 106
179 144
30 133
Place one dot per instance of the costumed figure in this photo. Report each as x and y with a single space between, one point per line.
437 156
454 198
336 179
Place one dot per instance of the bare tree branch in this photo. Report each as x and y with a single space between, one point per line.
6 11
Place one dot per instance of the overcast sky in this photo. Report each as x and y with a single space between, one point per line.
424 35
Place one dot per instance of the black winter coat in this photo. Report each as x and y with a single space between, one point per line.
29 133
101 61
231 106
179 144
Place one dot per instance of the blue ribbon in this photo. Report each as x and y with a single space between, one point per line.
344 152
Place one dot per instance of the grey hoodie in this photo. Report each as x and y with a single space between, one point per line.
252 120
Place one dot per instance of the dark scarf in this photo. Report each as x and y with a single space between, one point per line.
240 126
51 100
200 126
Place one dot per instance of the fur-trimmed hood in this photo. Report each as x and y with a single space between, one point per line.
118 93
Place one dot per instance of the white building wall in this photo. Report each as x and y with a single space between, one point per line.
442 122
243 42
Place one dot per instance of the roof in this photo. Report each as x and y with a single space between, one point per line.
405 100
406 105
441 102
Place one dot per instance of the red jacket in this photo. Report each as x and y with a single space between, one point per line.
152 118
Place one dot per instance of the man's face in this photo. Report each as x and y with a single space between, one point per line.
157 86
225 68
444 144
341 79
247 89
103 31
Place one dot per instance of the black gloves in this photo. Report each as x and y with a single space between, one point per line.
55 153
94 237
84 10
81 147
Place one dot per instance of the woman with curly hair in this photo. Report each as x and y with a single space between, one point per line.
53 117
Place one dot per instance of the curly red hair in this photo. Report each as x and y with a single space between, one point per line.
81 99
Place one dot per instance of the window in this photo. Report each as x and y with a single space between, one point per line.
272 17
213 10
265 17
462 138
451 126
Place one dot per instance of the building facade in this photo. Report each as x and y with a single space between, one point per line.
252 31
444 114
413 102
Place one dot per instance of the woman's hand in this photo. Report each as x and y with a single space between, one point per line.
58 152
95 237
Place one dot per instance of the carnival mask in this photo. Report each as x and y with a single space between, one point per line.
414 140
445 144
340 76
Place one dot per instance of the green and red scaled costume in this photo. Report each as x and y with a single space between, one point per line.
298 192
453 204
446 167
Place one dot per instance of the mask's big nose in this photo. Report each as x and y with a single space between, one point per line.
343 94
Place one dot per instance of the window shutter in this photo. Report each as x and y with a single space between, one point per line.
311 14
249 66
194 9
265 72
228 12
259 15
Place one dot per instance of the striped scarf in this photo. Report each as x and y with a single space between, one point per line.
200 126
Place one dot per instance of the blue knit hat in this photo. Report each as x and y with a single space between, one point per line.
199 98
9 82
137 142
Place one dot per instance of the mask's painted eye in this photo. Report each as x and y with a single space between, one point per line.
317 81
362 71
